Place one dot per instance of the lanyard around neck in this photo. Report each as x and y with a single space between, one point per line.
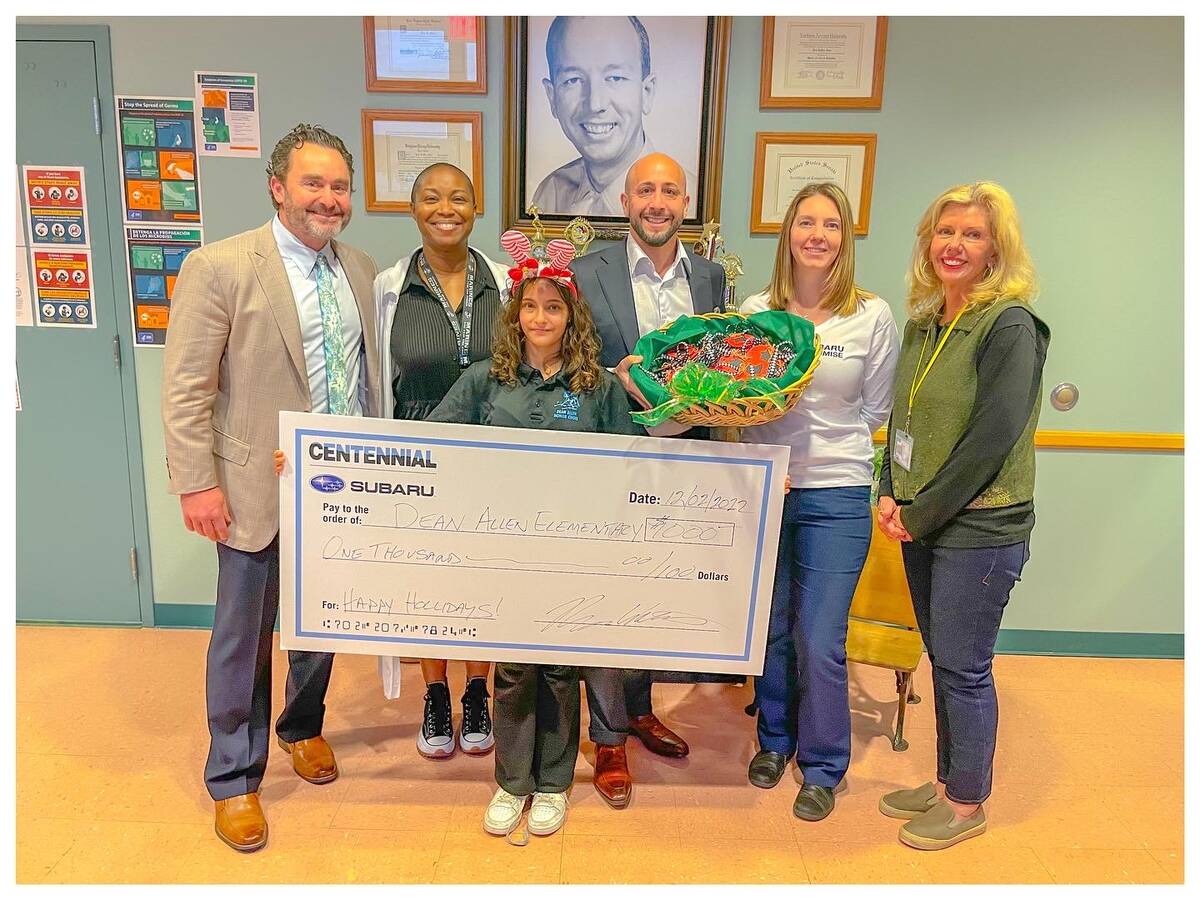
918 381
462 332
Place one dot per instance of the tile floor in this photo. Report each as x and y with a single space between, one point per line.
111 745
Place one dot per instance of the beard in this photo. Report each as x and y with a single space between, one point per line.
303 221
655 238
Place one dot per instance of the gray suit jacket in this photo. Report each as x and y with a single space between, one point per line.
603 281
234 359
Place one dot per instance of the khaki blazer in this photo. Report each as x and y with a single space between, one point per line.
234 359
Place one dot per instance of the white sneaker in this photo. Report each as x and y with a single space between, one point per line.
547 813
504 812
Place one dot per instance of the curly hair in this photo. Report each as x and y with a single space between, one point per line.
580 345
1012 277
281 156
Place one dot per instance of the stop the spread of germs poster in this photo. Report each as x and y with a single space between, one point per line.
158 160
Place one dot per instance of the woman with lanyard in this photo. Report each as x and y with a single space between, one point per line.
435 308
957 481
803 704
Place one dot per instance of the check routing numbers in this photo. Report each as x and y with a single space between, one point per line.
402 509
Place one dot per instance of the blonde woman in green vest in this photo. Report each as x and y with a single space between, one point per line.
957 481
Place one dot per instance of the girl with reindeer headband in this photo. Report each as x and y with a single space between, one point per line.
544 373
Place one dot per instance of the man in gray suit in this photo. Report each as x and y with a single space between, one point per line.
633 288
276 318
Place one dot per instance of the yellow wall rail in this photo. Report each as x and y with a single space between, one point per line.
1096 440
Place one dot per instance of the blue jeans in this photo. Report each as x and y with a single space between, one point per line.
959 595
803 704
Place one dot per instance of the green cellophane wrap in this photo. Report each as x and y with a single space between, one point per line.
695 384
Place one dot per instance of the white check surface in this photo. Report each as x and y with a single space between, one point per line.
468 542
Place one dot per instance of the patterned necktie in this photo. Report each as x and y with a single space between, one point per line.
335 348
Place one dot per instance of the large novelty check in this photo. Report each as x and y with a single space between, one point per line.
466 542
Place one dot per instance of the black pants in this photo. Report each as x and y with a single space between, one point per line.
537 727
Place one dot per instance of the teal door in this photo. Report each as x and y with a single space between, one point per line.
75 543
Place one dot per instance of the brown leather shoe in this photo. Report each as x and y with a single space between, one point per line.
657 737
611 776
240 822
312 759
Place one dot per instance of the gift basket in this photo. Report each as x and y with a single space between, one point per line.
725 369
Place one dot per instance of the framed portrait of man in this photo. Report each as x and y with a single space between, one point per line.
589 96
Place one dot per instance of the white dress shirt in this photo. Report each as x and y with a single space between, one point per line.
658 301
300 263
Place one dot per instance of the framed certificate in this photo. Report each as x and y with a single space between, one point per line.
398 144
426 54
784 163
829 62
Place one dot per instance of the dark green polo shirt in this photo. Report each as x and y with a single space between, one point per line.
533 402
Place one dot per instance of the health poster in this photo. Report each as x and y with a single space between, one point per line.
154 255
63 288
158 160
228 103
57 204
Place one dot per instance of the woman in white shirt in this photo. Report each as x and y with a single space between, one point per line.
803 704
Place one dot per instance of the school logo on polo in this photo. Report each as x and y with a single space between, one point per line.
568 407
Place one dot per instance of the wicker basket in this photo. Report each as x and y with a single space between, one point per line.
754 410
743 411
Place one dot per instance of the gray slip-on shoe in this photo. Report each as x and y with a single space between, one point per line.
910 803
938 828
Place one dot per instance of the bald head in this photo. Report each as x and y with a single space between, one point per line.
655 199
440 168
657 167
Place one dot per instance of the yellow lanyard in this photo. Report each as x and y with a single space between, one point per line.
917 382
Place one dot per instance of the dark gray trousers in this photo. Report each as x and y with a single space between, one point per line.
608 720
238 676
537 727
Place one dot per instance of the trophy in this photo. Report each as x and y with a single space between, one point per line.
710 246
537 240
579 231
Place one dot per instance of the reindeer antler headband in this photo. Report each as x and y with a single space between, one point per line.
559 254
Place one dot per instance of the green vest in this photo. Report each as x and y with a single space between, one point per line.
943 406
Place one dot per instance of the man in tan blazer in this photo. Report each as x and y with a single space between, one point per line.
277 318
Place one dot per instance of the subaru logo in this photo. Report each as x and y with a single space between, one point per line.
327 484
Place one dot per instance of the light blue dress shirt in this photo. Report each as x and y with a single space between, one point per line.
300 263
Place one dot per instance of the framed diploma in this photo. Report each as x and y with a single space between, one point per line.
784 163
829 62
426 54
398 144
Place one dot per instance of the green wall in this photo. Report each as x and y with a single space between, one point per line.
1091 150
